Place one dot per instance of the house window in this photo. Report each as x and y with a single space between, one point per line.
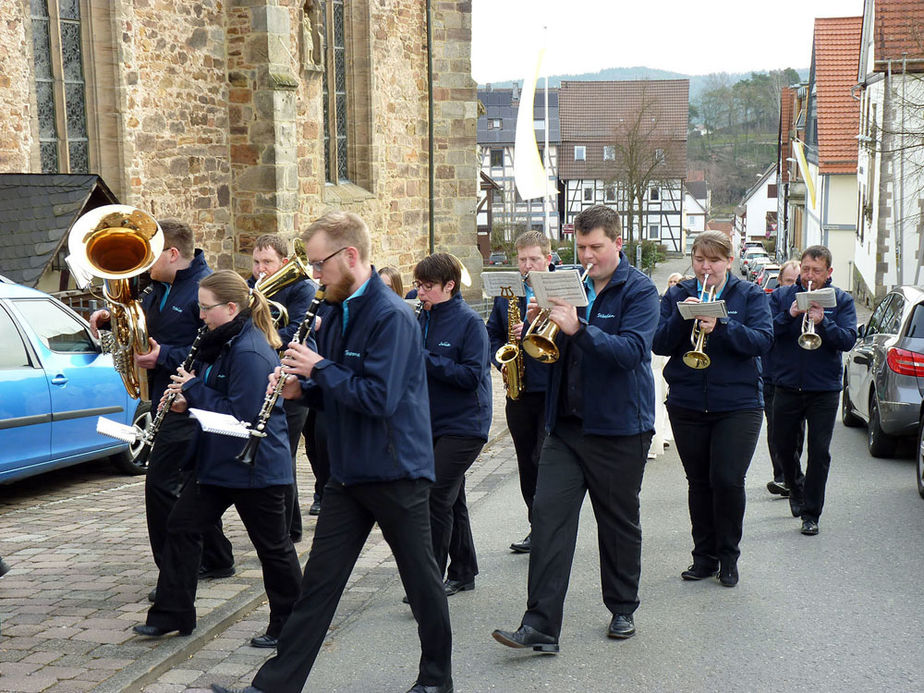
539 124
588 194
497 158
659 155
609 194
580 152
771 191
60 87
654 194
334 87
495 123
654 231
609 153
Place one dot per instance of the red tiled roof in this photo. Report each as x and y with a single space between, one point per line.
787 127
717 225
898 28
837 59
595 113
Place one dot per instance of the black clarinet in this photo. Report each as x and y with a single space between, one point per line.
258 428
150 431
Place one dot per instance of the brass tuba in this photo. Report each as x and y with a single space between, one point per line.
510 354
117 243
296 269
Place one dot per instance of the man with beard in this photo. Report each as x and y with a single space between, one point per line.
370 376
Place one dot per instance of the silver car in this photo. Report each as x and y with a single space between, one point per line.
884 373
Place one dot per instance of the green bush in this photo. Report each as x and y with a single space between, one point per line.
652 253
566 253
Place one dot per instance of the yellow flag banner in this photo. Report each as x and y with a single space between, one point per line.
799 150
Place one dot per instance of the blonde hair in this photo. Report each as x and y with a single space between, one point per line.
713 242
344 229
229 287
395 276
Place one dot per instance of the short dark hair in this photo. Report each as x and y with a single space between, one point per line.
599 216
528 239
271 240
818 252
440 268
179 235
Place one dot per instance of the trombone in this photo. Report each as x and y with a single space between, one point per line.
809 339
539 340
697 358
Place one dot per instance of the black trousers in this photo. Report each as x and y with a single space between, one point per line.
715 449
818 411
262 511
296 414
348 513
170 465
610 468
769 392
526 422
315 432
450 526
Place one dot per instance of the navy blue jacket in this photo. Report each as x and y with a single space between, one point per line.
295 298
536 373
374 387
766 359
236 384
616 379
819 370
733 379
458 369
173 322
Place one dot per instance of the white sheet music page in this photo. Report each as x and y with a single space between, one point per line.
114 429
826 298
224 424
563 284
710 309
502 283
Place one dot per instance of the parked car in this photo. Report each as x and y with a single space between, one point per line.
748 256
54 384
753 244
766 269
556 258
497 259
756 265
884 373
770 281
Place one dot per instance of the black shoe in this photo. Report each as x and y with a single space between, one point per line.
698 572
315 508
728 575
450 587
795 506
266 641
809 528
524 546
621 627
439 688
157 632
224 689
778 488
215 573
152 595
526 636
4 567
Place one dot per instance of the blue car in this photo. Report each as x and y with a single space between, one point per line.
54 384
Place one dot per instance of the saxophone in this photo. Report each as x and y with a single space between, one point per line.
510 355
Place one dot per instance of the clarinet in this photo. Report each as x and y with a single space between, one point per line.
150 431
258 428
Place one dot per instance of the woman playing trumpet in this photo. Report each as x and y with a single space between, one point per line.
715 411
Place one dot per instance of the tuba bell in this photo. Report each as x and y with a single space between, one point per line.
296 269
117 243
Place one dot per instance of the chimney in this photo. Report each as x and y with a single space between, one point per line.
515 93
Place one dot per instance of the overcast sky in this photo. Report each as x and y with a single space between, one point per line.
677 35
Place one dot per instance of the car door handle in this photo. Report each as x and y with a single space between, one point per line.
59 379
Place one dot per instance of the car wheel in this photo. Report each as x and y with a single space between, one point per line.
848 417
135 459
878 443
920 457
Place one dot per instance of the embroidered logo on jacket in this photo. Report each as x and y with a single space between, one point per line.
354 354
176 308
445 344
603 316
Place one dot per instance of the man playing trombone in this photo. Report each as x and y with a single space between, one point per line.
600 417
807 352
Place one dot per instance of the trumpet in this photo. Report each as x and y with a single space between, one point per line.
539 340
809 339
697 358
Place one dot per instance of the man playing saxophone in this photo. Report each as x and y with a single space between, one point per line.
525 412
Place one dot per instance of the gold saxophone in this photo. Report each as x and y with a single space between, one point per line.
510 355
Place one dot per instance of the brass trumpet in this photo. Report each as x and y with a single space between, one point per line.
539 340
697 358
809 339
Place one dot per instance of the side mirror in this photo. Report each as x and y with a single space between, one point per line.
861 330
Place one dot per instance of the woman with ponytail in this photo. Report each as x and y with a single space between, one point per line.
229 376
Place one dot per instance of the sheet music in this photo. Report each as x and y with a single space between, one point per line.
710 309
114 429
492 283
563 284
224 424
826 298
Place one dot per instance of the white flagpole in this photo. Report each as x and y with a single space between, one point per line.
546 203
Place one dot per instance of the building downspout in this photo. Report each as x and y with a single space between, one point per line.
900 235
431 170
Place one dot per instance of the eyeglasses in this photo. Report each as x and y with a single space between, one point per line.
319 265
214 305
426 286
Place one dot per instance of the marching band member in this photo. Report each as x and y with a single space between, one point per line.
459 387
715 411
600 416
229 375
526 414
